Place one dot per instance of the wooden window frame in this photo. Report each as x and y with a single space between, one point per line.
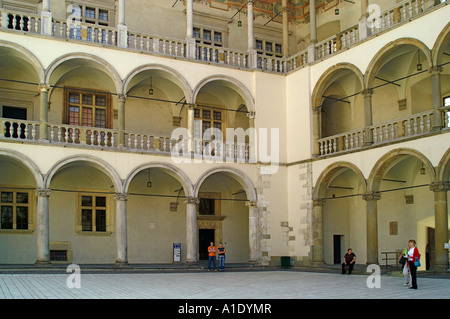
67 104
94 211
30 212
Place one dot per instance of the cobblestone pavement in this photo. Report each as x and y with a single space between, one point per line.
215 285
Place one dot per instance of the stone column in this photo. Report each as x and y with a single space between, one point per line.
252 156
42 227
318 256
43 113
191 230
368 135
252 55
372 226
285 28
190 41
46 18
121 229
437 97
363 27
121 98
122 29
190 127
253 234
441 224
312 55
317 129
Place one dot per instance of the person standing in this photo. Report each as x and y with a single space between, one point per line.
212 256
403 260
413 257
221 255
349 261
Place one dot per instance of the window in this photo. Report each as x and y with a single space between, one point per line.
208 36
87 109
447 106
206 118
269 48
15 210
92 14
93 213
209 204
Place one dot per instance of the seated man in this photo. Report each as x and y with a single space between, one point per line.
349 261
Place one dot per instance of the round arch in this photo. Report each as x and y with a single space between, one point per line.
439 45
238 175
443 169
390 158
230 82
95 162
324 81
330 171
172 74
99 63
26 55
378 59
172 170
27 163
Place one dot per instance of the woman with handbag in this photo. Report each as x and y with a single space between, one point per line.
403 260
413 262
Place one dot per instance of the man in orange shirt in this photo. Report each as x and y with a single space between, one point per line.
212 256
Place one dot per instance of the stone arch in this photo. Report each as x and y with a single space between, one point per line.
172 170
324 80
439 45
233 84
27 56
27 163
173 75
99 63
95 162
329 172
238 175
387 160
443 169
378 59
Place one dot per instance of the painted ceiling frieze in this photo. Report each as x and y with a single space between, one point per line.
298 9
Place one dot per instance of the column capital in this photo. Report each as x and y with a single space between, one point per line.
44 87
251 203
121 97
318 202
317 109
251 115
371 196
121 197
190 106
43 192
367 92
435 70
440 187
191 200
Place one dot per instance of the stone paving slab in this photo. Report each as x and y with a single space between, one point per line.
216 285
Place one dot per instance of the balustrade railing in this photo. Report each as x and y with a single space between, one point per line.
31 23
20 21
221 55
149 43
64 134
402 11
395 130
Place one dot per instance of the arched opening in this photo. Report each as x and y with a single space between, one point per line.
343 213
19 179
82 211
405 209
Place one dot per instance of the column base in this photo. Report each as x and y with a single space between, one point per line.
122 264
40 263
